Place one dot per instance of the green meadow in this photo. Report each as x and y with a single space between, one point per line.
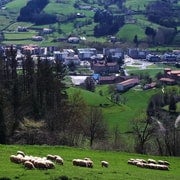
119 114
118 168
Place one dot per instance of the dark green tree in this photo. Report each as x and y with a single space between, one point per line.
2 122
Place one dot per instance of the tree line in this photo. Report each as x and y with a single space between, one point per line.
38 91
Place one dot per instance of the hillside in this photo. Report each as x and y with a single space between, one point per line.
77 18
118 167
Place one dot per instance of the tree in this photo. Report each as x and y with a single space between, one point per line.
172 104
135 40
151 33
95 127
143 130
89 84
2 122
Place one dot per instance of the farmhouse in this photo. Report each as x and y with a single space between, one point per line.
21 29
73 39
125 85
47 31
37 38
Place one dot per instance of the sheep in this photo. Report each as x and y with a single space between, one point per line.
51 157
82 163
152 161
104 164
15 159
59 160
40 164
140 164
29 165
49 164
21 152
87 159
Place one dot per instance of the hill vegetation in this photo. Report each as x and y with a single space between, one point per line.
79 18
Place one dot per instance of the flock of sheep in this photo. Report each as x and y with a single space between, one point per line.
32 162
48 162
150 164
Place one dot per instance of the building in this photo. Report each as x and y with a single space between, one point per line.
169 57
73 39
127 84
86 53
115 53
103 67
72 59
153 58
47 31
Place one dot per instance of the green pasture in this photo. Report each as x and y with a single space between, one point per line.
118 167
137 5
60 8
14 26
92 99
15 6
152 72
128 31
122 114
19 35
4 22
117 114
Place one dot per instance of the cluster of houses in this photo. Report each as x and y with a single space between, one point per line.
105 67
154 56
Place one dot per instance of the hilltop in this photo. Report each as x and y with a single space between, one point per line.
128 21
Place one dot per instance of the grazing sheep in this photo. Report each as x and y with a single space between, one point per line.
152 161
15 159
21 153
104 164
29 165
82 163
51 157
50 164
59 160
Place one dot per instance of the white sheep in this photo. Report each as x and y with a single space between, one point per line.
59 160
15 159
104 164
21 153
29 165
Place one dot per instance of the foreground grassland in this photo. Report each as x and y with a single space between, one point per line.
118 169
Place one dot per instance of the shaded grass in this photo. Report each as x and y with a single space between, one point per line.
118 169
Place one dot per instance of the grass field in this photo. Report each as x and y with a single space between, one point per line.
137 5
118 167
128 31
117 114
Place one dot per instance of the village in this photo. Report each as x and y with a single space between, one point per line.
106 67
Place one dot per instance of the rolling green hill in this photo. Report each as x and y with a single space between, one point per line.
135 22
117 114
118 167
